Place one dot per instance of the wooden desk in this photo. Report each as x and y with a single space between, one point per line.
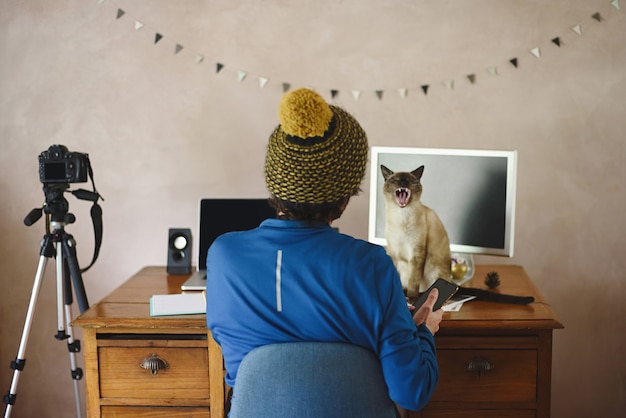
507 349
119 334
495 360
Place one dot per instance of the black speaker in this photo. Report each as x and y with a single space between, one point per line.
179 251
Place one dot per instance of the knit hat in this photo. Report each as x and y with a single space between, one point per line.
317 154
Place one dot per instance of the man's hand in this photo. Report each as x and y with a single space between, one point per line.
425 314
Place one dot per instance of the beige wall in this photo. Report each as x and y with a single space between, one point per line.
163 131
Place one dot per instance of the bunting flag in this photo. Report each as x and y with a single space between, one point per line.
200 58
536 52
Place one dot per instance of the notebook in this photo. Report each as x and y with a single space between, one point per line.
218 216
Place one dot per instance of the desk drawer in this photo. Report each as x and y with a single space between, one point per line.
121 376
487 375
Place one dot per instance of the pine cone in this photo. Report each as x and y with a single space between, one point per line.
492 280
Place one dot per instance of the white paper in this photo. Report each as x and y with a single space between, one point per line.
456 302
178 304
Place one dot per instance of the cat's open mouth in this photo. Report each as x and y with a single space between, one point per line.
402 196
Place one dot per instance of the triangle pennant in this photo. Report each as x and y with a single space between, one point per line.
471 78
286 87
596 16
492 70
425 88
449 84
334 93
263 81
356 94
615 3
577 29
536 52
513 62
218 67
379 94
199 58
120 13
241 75
403 92
178 48
138 25
157 37
557 41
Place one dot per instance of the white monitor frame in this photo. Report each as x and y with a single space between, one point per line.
408 159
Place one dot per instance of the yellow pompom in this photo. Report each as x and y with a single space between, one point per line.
304 113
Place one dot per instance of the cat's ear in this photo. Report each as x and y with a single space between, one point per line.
386 172
418 172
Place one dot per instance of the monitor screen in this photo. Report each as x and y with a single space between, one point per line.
218 216
472 192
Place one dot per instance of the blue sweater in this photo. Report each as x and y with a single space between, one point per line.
289 281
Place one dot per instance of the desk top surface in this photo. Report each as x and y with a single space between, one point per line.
128 305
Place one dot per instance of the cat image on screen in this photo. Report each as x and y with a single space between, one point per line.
417 240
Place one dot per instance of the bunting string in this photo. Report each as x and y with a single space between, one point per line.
403 92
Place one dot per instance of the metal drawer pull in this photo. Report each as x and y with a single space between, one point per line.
154 363
479 365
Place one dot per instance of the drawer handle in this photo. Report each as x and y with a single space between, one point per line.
479 365
154 363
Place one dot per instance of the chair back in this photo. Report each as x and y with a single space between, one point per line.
311 379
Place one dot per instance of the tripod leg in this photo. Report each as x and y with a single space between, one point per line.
60 270
20 360
77 280
73 346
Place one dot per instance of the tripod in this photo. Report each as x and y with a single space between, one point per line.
56 243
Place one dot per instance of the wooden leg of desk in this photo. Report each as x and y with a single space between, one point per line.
217 390
90 352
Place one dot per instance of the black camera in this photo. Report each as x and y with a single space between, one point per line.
58 165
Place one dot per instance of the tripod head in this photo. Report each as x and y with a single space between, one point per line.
56 205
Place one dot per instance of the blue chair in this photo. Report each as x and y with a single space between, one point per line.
311 379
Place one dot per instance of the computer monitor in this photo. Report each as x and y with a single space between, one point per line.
219 216
472 191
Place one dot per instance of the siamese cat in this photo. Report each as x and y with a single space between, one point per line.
417 241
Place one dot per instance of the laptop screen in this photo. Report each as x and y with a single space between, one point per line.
218 216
